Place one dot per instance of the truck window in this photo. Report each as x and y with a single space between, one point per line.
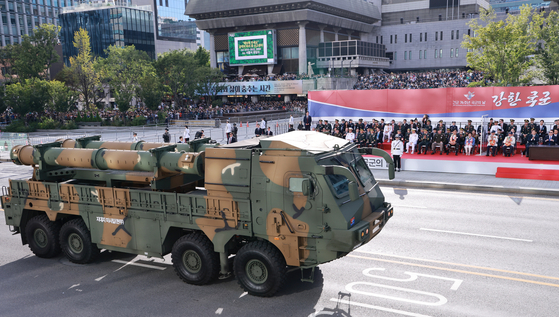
339 184
363 172
296 184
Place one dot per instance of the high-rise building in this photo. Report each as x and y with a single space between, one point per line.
174 29
108 23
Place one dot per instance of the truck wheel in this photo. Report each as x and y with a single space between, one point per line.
42 235
260 268
194 259
75 241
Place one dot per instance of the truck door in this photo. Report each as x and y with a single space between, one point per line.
304 208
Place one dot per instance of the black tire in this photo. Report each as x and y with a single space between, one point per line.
194 259
42 235
75 241
260 268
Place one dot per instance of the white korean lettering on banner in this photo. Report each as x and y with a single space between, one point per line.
498 100
514 99
283 87
375 162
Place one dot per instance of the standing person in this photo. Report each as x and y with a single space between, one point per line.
291 120
263 124
186 134
134 137
166 136
235 130
228 127
307 120
397 150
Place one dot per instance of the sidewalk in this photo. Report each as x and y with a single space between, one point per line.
468 182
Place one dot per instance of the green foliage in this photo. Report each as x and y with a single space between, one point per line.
48 123
122 70
85 76
138 121
151 90
7 57
20 127
36 54
202 57
70 125
208 83
501 49
28 96
546 31
62 98
176 70
161 116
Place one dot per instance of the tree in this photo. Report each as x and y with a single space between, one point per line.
151 89
123 67
202 57
176 69
7 57
208 83
501 48
30 95
546 31
86 75
62 98
36 54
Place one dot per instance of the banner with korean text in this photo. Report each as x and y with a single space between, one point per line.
283 87
541 102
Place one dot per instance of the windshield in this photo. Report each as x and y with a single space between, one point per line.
339 184
362 170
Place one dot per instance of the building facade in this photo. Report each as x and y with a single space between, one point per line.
107 24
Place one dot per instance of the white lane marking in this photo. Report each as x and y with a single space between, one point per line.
412 277
100 278
390 310
75 285
139 264
409 206
219 311
441 299
243 294
475 234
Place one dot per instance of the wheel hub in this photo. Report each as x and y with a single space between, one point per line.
257 271
75 243
192 261
40 237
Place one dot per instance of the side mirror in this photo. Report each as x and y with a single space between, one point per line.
306 187
353 191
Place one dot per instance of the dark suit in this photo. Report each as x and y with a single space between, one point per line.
307 121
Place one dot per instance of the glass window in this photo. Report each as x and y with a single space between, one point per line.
420 54
35 10
436 53
452 35
409 54
395 55
363 172
441 35
11 7
390 39
425 54
405 55
420 37
396 38
451 53
381 39
295 52
457 36
41 1
440 53
436 36
296 184
425 36
410 38
405 39
339 184
456 52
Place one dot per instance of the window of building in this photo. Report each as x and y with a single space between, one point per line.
377 39
451 53
405 38
409 55
440 17
456 52
436 53
452 35
441 53
395 55
436 36
425 54
420 54
457 36
396 38
425 36
381 39
468 32
11 7
405 55
441 35
420 37
390 39
410 38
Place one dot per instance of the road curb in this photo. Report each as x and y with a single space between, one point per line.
469 187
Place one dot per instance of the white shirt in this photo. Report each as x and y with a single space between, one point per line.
397 147
495 128
290 119
228 128
186 134
413 138
350 136
263 125
135 138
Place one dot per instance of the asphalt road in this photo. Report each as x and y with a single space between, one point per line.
442 254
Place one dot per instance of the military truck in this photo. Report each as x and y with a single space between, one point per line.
265 205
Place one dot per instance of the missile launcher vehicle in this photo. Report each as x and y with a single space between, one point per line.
265 205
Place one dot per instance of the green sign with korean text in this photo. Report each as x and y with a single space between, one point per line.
252 48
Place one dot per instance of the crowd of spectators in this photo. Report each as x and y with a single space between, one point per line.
420 80
423 136
162 115
272 77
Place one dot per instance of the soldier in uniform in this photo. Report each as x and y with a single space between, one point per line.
424 140
428 126
511 126
327 127
350 136
525 131
438 140
469 128
453 127
166 136
440 126
318 127
532 124
360 125
337 133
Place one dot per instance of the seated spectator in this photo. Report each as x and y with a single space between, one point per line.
350 136
492 141
412 142
438 141
453 143
508 144
533 139
549 139
469 144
